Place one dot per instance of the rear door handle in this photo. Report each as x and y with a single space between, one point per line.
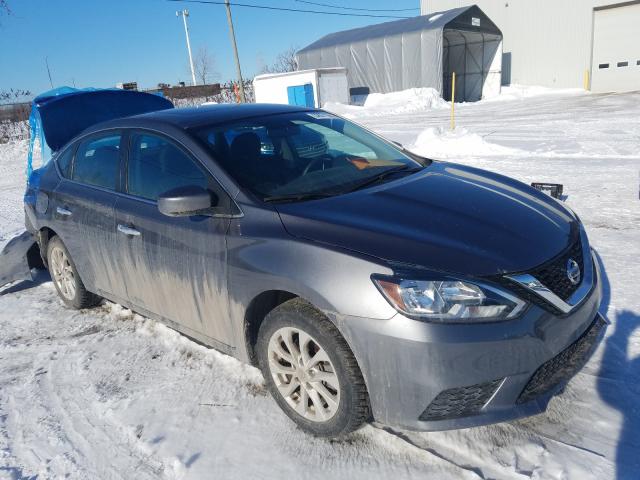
132 232
63 211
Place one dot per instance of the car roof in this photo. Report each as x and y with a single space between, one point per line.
184 118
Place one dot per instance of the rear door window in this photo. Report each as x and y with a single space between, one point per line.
97 161
157 165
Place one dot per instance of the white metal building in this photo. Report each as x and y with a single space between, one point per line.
554 42
309 88
422 51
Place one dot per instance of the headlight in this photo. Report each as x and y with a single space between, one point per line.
452 301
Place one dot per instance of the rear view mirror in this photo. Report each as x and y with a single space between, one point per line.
186 201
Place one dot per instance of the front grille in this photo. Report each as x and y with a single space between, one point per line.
460 402
553 274
564 365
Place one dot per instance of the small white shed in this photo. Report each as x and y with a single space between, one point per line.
309 88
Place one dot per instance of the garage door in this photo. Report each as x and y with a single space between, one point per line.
616 49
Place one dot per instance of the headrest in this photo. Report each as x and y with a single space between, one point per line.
245 146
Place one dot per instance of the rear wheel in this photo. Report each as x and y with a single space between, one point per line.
65 277
310 370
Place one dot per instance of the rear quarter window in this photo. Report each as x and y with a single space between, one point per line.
65 160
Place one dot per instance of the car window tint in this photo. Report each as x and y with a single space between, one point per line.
97 161
64 161
156 166
337 142
300 153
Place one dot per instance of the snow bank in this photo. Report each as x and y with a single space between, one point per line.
436 142
13 161
382 104
416 100
518 92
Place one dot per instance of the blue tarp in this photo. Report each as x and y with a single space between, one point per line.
60 114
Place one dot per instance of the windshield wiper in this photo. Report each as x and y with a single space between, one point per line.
298 197
381 176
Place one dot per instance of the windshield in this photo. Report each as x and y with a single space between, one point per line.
294 156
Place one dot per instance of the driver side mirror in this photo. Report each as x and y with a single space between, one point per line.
186 201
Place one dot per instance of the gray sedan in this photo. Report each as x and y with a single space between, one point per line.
366 283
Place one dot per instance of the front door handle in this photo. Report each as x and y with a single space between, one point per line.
132 232
63 211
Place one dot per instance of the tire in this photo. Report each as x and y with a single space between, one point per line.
66 278
326 395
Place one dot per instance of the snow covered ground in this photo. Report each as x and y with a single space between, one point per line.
105 393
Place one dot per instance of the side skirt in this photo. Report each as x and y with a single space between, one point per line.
186 331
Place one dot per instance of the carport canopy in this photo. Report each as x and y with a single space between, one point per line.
420 51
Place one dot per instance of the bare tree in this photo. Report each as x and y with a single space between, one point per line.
204 65
284 62
13 95
14 113
4 9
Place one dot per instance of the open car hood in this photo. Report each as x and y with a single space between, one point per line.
66 112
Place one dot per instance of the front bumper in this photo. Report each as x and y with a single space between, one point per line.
427 376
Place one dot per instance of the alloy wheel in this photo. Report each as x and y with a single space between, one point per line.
62 273
304 374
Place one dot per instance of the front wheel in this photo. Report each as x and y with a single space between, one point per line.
310 370
65 277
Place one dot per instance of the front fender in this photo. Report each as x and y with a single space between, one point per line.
335 281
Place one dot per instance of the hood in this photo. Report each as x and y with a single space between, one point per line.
65 112
447 217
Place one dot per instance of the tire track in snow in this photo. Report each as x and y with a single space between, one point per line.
72 406
63 437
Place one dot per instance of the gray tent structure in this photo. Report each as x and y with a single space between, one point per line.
420 51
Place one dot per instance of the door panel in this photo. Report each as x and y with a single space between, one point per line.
84 218
176 267
83 209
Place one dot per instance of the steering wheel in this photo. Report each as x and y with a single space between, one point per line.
315 161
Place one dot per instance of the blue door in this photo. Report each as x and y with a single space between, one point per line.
301 95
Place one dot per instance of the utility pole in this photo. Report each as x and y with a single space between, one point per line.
185 14
235 51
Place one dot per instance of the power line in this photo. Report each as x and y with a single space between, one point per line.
360 9
283 9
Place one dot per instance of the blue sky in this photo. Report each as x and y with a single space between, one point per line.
101 42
